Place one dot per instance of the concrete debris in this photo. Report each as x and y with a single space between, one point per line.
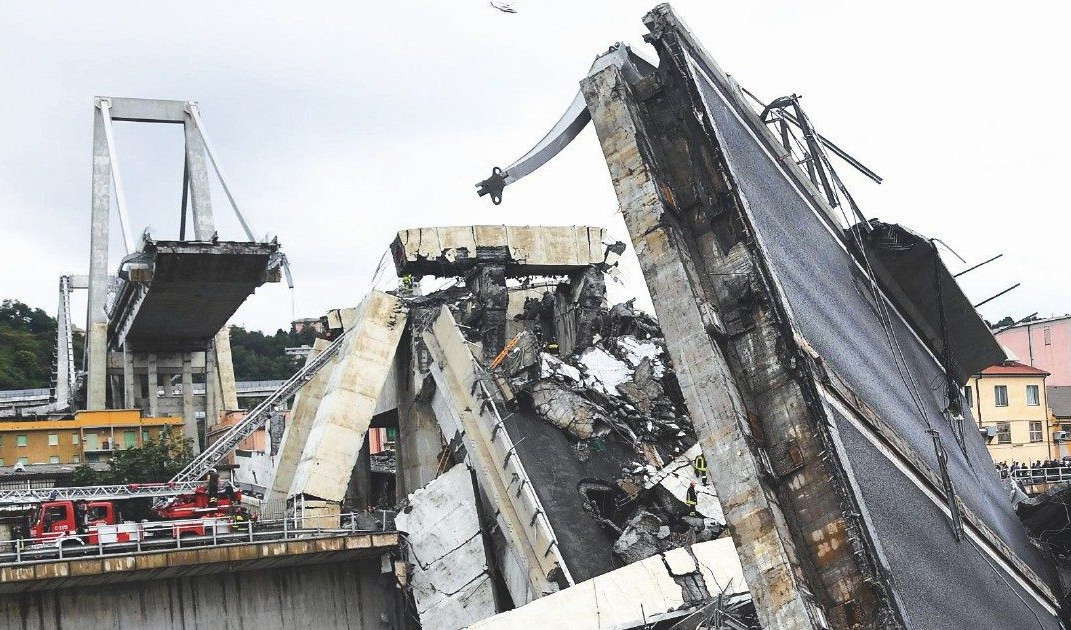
524 250
568 411
661 588
350 399
385 462
444 549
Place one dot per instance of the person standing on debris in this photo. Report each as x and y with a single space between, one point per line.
691 499
700 466
212 486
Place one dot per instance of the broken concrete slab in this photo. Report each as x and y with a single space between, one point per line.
530 560
296 433
352 395
635 595
449 578
524 250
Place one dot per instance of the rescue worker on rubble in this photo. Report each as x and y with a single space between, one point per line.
407 283
691 499
700 466
212 486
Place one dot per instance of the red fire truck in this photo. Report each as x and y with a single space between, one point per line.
79 522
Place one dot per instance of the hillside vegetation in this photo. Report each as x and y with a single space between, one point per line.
28 346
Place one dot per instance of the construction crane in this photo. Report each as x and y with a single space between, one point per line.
189 478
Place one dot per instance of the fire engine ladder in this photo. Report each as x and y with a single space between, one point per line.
256 418
95 493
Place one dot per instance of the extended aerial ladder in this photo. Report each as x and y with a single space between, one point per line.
189 478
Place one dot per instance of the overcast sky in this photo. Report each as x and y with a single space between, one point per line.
339 124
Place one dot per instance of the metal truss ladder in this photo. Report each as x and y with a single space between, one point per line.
95 493
256 418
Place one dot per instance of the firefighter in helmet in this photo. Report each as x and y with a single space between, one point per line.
700 466
212 486
691 499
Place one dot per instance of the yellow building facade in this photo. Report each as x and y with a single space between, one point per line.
1009 401
90 436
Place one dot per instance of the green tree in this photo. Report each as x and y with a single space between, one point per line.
28 346
157 461
260 357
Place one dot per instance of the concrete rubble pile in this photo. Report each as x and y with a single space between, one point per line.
763 454
574 413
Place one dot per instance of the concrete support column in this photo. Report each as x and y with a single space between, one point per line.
97 320
153 385
419 438
212 395
297 429
200 197
488 283
359 492
189 417
129 384
225 369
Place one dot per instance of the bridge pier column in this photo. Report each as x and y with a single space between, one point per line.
153 385
225 369
189 415
128 379
212 406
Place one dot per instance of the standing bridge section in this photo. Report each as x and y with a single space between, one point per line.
160 314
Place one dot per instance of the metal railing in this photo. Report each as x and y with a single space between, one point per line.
156 536
1052 474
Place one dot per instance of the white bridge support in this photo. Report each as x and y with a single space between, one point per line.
106 182
306 402
351 399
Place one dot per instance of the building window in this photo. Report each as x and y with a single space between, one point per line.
1000 395
76 460
20 440
53 439
1033 395
53 459
74 439
1047 332
1 461
25 461
1003 433
968 395
129 439
1035 431
144 436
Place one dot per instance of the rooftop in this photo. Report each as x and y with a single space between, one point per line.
1035 322
1012 368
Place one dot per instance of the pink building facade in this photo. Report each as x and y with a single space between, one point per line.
1044 344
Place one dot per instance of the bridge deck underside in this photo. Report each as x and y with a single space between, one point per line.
195 289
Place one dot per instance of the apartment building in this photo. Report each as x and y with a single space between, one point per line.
1010 400
1044 344
90 436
